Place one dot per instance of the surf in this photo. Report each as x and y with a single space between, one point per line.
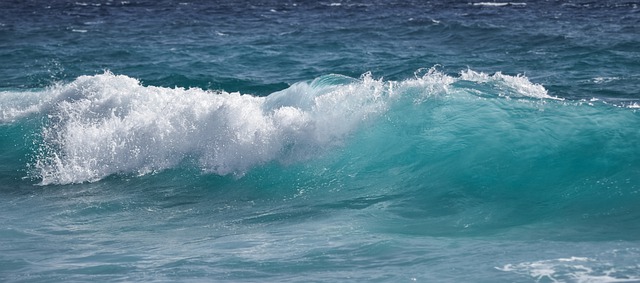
106 124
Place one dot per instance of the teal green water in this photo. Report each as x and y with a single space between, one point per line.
347 141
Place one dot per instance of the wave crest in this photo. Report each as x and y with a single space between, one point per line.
108 124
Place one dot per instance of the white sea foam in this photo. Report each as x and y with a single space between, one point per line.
108 124
511 86
602 80
499 4
16 105
432 82
572 269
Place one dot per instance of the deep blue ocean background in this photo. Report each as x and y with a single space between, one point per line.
322 141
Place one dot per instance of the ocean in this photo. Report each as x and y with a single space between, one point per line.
319 141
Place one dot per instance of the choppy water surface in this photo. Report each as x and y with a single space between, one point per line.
376 141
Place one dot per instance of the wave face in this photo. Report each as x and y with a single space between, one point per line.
502 125
430 158
460 139
239 141
105 124
102 125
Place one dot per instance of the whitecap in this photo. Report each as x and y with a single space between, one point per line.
499 4
518 85
570 269
108 124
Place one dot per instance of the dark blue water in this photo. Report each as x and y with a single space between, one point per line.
290 141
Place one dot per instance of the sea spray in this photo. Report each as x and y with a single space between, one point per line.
450 155
106 124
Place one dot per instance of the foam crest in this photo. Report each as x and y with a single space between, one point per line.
107 124
432 82
499 4
16 105
572 269
508 86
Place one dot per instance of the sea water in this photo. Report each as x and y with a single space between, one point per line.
323 141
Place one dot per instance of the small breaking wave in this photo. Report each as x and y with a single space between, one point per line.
107 124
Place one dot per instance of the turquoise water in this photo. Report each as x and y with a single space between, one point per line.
273 141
